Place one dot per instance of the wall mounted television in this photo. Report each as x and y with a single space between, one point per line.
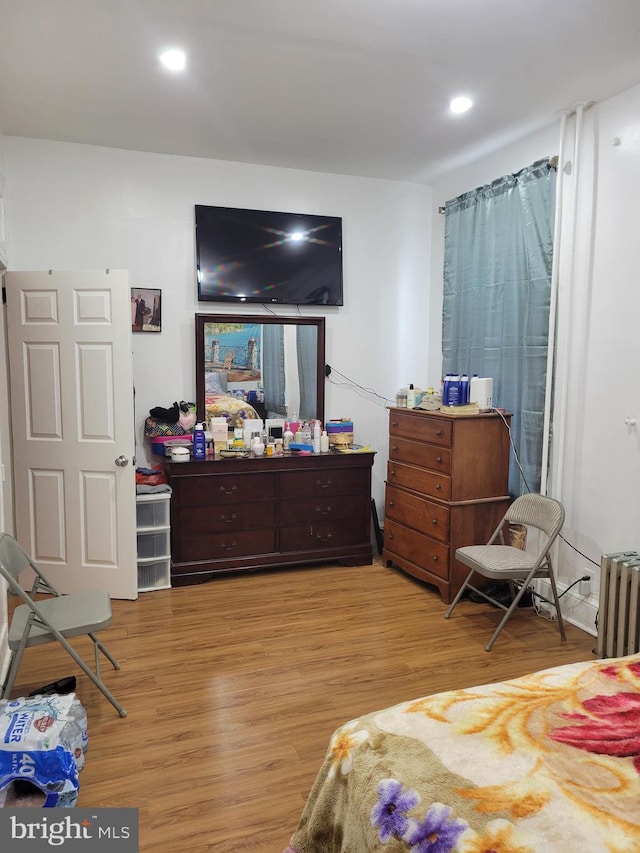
268 257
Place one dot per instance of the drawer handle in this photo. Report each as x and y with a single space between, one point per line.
230 547
324 485
438 432
322 538
392 503
394 447
439 459
434 521
434 558
228 520
228 491
393 472
394 423
321 511
438 487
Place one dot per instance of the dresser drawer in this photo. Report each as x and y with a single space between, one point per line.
417 548
324 508
432 456
419 480
224 488
332 481
314 537
229 516
416 512
219 546
421 427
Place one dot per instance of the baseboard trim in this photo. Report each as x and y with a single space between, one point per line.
578 610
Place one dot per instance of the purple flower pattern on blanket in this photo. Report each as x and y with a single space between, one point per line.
390 812
436 833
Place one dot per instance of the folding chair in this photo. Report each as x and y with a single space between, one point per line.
504 562
46 620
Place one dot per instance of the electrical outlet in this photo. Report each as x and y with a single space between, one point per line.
585 586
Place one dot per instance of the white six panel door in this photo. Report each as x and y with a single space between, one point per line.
71 380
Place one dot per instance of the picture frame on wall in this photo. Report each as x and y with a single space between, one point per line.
146 310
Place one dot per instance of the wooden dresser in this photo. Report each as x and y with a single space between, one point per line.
271 512
447 486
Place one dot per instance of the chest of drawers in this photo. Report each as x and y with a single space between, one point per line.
257 513
446 487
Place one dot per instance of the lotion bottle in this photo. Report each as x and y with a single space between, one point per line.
316 438
324 442
199 442
287 437
411 397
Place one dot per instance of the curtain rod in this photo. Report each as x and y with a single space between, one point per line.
552 161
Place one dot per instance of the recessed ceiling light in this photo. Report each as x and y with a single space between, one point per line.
460 104
173 59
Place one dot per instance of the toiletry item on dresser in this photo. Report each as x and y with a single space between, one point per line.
199 442
287 436
411 397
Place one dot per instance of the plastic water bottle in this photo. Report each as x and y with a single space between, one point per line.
199 442
71 740
79 714
316 438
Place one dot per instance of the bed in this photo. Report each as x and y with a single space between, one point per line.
548 762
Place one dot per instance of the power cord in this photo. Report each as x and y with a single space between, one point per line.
329 371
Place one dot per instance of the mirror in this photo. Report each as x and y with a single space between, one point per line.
271 365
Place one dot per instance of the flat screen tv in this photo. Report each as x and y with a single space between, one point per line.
268 257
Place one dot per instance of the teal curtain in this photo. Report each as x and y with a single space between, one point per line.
273 369
306 350
497 293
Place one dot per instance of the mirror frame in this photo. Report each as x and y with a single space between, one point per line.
202 319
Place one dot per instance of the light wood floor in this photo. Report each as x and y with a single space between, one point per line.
233 689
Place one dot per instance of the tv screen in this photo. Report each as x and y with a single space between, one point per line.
266 256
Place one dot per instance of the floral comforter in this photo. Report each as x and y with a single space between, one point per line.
548 762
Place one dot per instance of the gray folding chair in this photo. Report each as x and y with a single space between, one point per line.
504 562
47 620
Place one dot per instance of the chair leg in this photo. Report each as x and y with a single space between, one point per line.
105 651
510 610
90 673
556 601
459 595
16 657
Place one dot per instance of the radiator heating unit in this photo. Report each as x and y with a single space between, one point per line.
619 608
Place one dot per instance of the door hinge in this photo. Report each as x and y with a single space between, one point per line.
4 295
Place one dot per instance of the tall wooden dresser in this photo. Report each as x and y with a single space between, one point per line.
447 487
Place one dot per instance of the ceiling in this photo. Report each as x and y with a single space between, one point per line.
358 87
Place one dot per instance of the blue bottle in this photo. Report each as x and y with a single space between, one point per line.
454 391
464 389
199 442
446 389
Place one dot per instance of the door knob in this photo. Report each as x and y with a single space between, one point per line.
122 461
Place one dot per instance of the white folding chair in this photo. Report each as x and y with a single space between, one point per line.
505 562
58 618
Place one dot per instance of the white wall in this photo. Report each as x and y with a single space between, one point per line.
75 206
78 206
596 469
